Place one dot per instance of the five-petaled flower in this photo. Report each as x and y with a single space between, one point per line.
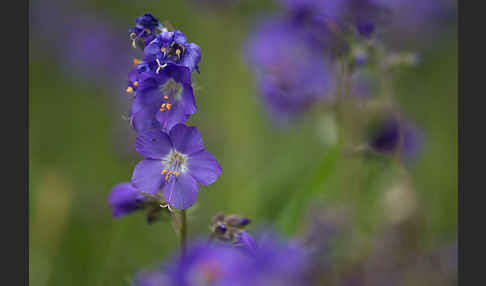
175 162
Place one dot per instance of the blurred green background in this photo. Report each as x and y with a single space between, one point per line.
81 145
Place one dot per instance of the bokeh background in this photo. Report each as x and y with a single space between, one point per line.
81 144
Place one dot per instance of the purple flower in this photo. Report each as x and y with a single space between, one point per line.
394 134
414 17
145 28
247 243
292 74
124 199
324 14
134 76
172 48
274 261
176 162
205 264
162 100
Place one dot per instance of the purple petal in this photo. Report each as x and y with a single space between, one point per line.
204 167
146 98
124 199
152 49
179 73
153 144
186 140
247 243
187 99
147 177
172 117
144 120
192 56
180 38
181 191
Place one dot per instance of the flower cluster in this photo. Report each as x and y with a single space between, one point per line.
176 161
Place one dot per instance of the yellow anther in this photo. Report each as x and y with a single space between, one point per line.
162 107
176 173
168 106
147 30
166 97
162 50
135 83
167 176
178 52
163 171
136 61
129 89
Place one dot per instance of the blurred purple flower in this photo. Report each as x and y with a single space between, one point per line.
205 264
274 261
395 134
176 162
291 73
328 15
93 47
246 243
396 18
410 19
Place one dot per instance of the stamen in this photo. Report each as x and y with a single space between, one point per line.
176 173
167 206
147 30
136 61
166 97
133 37
159 66
167 176
168 106
162 107
178 52
163 171
129 89
162 50
135 83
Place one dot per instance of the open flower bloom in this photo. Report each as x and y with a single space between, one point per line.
163 100
176 162
172 48
124 199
